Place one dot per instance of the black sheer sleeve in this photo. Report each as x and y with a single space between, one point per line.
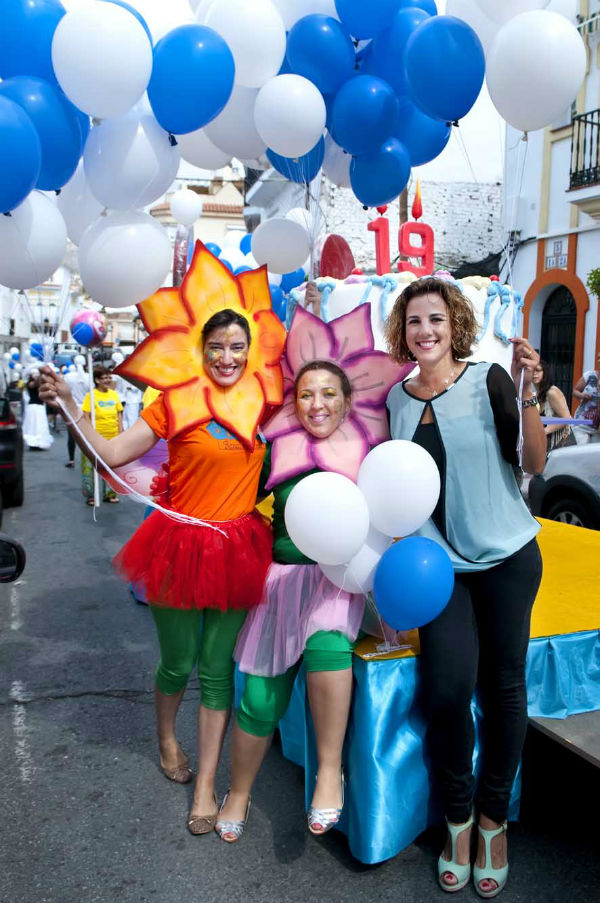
503 399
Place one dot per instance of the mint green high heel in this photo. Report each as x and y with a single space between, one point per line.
488 872
462 873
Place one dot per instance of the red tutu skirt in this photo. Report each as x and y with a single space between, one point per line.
188 566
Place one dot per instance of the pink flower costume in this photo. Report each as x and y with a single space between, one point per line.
298 599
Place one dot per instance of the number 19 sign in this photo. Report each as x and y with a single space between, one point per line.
423 251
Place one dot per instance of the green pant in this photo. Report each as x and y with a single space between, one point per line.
266 699
204 637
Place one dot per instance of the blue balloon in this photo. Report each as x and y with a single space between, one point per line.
26 31
20 155
37 351
291 280
385 54
445 66
83 333
278 301
299 169
57 123
380 177
365 113
428 5
11 365
366 18
15 356
320 49
192 78
413 582
226 263
214 249
242 269
246 244
423 137
137 15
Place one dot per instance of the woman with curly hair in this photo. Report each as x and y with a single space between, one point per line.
466 416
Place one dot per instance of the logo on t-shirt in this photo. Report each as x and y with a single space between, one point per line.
219 432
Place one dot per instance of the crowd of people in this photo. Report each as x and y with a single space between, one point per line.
224 586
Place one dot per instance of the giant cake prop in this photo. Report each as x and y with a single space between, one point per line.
497 307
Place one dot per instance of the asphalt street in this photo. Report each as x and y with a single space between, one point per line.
86 814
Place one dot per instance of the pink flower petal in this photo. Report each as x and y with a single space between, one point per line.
372 375
309 339
343 451
283 421
353 333
373 421
290 455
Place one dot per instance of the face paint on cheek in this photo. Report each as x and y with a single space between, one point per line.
240 357
212 355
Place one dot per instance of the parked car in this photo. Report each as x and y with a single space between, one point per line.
569 488
11 454
12 559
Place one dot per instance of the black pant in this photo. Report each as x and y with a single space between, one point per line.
480 638
70 446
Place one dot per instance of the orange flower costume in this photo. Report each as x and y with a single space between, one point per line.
215 456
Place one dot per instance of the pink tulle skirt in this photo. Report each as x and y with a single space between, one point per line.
298 601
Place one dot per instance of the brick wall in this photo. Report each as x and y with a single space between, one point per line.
466 218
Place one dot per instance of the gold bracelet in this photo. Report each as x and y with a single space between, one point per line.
73 422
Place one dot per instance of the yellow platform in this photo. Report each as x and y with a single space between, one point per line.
568 600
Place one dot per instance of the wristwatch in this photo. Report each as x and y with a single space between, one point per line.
530 402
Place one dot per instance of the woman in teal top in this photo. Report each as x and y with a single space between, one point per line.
466 416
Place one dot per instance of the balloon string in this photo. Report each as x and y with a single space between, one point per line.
382 648
132 493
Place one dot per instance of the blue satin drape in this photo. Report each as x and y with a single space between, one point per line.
389 799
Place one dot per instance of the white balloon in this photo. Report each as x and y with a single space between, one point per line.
281 244
290 115
78 205
311 221
505 10
163 17
401 483
124 258
197 148
13 350
471 13
336 163
535 68
250 261
233 130
186 206
79 360
274 278
358 575
33 241
102 59
292 10
233 238
129 161
234 257
18 367
256 37
327 518
117 357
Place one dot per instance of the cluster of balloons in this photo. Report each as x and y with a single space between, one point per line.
349 529
362 90
238 255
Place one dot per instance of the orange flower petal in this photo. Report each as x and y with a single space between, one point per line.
165 359
271 380
254 285
240 407
164 308
268 339
209 286
187 406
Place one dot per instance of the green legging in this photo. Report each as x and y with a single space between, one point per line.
266 699
207 637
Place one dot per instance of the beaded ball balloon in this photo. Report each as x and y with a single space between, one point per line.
88 328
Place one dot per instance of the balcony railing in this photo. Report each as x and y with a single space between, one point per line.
585 150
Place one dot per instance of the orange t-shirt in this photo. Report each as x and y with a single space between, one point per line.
211 475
